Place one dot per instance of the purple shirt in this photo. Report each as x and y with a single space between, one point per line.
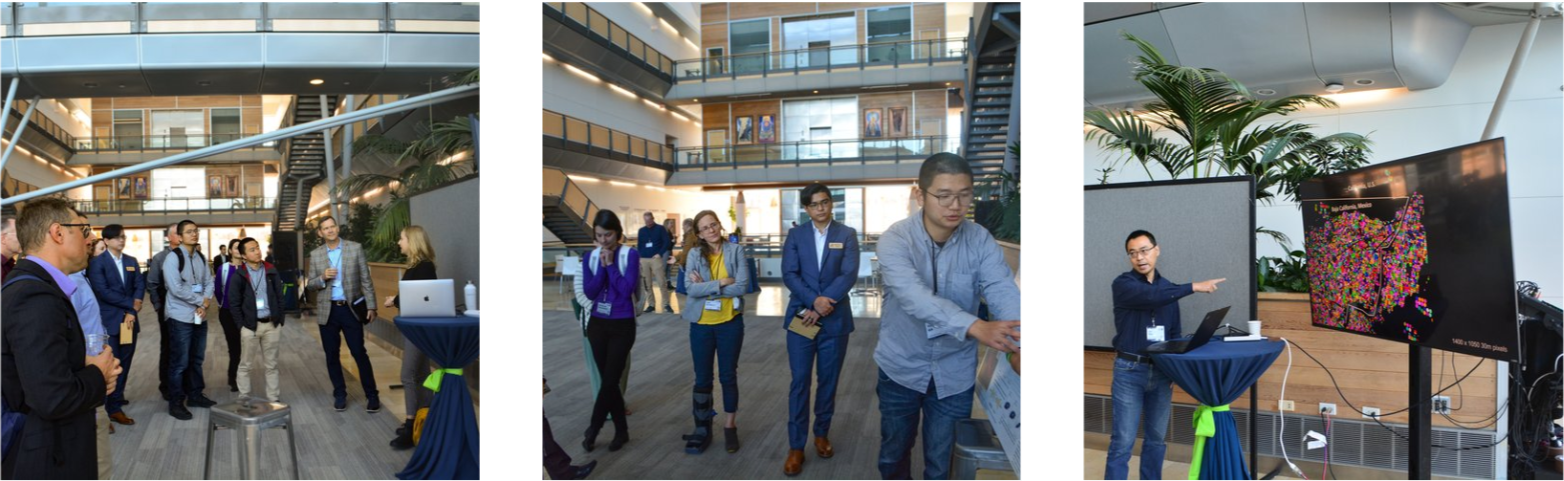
60 279
607 285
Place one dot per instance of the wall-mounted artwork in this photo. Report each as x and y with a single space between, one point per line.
231 186
214 186
122 188
768 129
141 188
745 127
873 126
898 117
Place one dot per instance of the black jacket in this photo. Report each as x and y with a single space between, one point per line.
241 297
422 272
45 375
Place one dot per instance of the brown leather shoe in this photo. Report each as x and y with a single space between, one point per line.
795 462
823 447
122 419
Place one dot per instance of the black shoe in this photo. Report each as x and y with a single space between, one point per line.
179 412
731 437
649 309
373 407
590 441
201 401
233 388
582 471
340 405
667 308
620 438
405 427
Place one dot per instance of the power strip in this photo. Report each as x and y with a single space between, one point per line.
1250 337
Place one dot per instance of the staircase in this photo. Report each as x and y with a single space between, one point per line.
306 159
991 91
567 212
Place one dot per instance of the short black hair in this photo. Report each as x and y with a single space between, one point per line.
1140 233
808 193
182 224
246 241
607 219
113 231
942 163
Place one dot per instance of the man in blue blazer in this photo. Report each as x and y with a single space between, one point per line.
117 282
819 267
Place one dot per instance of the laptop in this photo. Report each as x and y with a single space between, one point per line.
1180 346
433 298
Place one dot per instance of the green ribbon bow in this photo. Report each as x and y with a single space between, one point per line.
433 381
1205 427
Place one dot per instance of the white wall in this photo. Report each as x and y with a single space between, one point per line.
1403 123
639 21
573 95
629 200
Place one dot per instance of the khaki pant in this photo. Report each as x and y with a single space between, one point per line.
264 339
105 470
653 281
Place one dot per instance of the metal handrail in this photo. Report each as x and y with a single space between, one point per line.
859 56
138 143
662 64
571 196
176 204
828 152
43 123
665 154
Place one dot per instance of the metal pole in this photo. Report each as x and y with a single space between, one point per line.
1419 456
331 164
10 96
347 142
17 136
280 134
1521 51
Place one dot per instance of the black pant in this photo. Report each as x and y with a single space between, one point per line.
231 335
342 325
611 341
162 355
555 460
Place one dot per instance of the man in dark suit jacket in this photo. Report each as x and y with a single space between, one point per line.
46 373
117 282
819 267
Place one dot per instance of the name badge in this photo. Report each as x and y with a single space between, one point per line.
1156 333
130 268
835 245
714 305
604 308
260 304
648 245
198 288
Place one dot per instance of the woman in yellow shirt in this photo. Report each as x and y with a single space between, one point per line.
717 278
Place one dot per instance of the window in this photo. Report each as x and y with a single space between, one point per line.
177 128
751 37
127 130
225 125
889 25
816 41
817 123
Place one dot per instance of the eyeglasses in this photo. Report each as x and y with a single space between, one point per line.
1142 252
945 200
714 227
817 205
86 229
191 232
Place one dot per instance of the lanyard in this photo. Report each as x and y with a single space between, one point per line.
254 285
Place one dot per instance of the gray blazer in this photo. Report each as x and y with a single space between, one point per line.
733 258
354 275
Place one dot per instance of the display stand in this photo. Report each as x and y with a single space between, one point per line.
1420 417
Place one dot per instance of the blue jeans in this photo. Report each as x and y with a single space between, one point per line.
1138 389
342 325
720 342
187 351
899 409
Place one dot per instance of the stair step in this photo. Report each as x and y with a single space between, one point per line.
997 68
998 102
991 112
972 150
991 121
997 80
994 91
1000 156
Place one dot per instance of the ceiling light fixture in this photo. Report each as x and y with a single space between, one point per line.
1364 81
317 81
676 114
1334 87
622 91
580 72
1266 92
547 57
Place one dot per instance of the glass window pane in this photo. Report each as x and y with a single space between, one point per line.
619 36
621 142
178 128
889 25
553 124
750 37
577 11
225 125
575 130
637 48
599 24
637 147
600 136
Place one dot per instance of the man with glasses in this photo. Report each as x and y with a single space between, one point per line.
1145 311
116 280
9 246
158 293
188 281
819 267
937 265
47 374
342 277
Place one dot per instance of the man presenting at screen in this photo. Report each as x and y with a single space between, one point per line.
1145 312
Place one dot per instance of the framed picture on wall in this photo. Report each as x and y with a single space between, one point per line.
122 188
231 186
745 127
214 186
873 125
141 188
768 129
898 121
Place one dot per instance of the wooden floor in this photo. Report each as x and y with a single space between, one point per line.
661 378
332 445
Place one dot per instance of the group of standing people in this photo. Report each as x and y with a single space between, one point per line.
56 382
938 268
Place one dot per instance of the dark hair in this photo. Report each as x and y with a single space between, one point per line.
247 240
182 224
323 221
233 243
1140 233
942 163
112 231
807 195
608 220
32 228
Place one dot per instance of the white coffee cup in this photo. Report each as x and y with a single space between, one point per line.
1254 328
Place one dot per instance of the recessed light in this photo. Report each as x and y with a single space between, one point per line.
1364 81
204 83
317 81
1334 87
90 85
947 84
1265 92
817 91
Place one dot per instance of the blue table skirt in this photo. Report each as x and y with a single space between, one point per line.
448 447
1216 374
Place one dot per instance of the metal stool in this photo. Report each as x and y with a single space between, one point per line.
251 417
976 448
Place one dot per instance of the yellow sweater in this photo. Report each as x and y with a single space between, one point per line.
708 316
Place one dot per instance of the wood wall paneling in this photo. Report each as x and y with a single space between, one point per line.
1372 372
250 101
745 10
143 103
251 119
928 16
713 12
208 101
713 36
845 6
713 116
101 118
863 30
929 105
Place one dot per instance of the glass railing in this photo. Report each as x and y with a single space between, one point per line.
137 143
590 20
571 197
827 152
581 132
161 205
823 59
42 123
46 19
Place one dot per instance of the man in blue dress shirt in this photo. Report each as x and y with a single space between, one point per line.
653 244
819 266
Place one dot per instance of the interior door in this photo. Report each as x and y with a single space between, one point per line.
717 145
928 47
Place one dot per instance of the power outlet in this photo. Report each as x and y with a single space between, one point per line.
1328 408
1370 412
1441 404
1287 405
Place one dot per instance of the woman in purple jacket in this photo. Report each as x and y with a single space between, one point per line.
611 275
